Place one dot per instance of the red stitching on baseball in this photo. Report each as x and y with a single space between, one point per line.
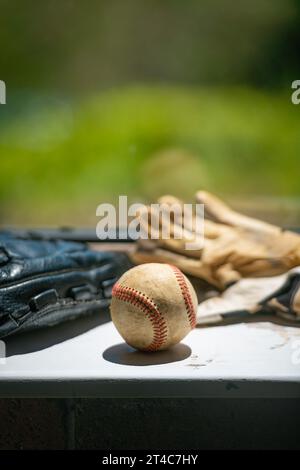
186 296
144 303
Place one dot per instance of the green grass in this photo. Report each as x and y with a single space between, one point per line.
59 161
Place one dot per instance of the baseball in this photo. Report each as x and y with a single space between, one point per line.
153 306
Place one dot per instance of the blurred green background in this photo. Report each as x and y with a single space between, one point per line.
146 97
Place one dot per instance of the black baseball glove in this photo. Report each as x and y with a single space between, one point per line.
45 282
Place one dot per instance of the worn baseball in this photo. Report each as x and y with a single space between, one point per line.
153 306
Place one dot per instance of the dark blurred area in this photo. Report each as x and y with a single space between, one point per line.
72 45
146 97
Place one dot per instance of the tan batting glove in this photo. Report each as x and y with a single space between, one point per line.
235 246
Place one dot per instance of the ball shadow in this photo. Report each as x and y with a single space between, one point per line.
125 355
